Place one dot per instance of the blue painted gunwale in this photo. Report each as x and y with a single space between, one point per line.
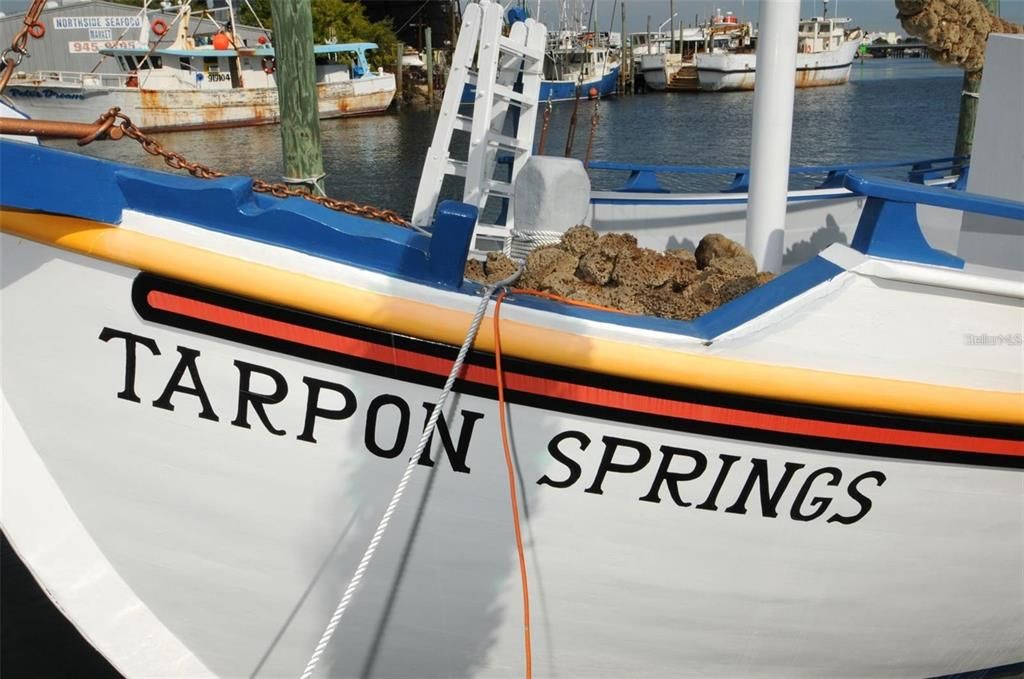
643 178
724 200
100 190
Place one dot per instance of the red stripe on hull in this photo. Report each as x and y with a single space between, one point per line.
598 396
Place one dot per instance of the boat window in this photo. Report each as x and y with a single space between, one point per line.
130 61
184 63
151 62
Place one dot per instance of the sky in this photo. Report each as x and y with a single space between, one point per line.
872 15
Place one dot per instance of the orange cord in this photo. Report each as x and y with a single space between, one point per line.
512 486
513 495
566 300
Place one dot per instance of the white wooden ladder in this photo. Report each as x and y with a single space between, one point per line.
501 64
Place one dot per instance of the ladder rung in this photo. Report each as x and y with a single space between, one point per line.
492 230
506 142
499 188
455 167
511 95
464 123
471 76
522 50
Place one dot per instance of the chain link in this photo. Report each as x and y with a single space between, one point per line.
115 120
19 45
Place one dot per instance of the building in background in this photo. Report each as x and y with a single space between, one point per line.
77 29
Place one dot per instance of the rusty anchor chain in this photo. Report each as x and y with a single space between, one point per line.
11 57
279 190
115 125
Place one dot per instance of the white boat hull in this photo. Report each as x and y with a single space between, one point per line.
220 466
655 73
155 110
729 71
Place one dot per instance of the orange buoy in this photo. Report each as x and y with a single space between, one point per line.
593 92
262 40
159 26
221 41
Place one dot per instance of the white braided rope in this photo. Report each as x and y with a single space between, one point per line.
519 244
428 430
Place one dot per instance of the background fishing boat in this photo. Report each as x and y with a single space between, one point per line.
674 69
579 62
826 50
191 86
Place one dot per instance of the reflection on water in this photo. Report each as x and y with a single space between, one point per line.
892 109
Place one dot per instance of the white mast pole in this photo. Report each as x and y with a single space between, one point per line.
772 131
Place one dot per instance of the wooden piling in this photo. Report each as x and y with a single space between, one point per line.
399 92
295 73
671 27
627 63
969 102
430 65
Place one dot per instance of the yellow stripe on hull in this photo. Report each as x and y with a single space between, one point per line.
410 317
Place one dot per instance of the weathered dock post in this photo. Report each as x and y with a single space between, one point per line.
399 92
671 27
427 38
295 73
627 63
969 101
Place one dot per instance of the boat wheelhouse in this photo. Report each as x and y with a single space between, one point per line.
197 86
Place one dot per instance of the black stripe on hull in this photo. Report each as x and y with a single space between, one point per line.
754 70
146 283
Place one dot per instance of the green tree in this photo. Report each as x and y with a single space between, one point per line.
346 21
255 9
339 20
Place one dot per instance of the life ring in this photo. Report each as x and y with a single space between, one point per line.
268 65
36 30
159 26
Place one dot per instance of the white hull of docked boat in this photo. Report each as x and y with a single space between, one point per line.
737 71
182 109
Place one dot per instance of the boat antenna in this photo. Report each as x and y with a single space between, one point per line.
824 4
257 17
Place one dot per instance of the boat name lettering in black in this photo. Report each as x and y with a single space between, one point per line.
688 478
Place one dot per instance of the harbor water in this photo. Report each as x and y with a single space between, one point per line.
891 110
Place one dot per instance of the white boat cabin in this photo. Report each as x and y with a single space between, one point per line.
821 34
208 68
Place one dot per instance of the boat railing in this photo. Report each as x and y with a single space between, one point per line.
644 178
74 78
889 227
